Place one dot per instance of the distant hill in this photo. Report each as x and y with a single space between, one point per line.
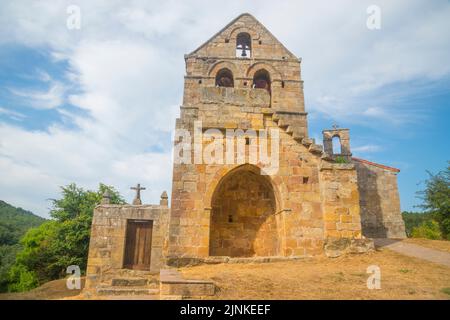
14 222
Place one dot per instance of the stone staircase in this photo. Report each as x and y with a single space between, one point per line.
167 285
290 123
134 283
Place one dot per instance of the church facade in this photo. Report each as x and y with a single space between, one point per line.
244 85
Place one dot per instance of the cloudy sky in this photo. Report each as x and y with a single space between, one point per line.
99 104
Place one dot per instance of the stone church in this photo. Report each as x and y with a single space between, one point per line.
244 79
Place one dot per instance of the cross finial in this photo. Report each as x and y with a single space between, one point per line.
137 200
106 199
335 126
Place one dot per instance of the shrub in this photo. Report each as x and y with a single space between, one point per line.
428 230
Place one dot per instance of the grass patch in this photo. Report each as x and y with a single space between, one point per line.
404 270
446 291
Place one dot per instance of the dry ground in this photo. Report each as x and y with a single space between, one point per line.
52 290
402 277
345 277
440 245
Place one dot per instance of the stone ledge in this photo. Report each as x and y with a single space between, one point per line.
193 261
131 206
336 166
336 247
172 284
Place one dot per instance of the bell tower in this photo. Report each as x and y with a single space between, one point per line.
245 81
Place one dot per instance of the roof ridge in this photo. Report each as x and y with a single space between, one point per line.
376 164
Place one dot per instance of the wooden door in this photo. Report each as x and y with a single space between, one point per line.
138 244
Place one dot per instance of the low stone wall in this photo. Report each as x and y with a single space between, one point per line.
108 236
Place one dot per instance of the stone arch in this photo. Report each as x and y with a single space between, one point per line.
243 215
262 80
244 45
278 186
275 75
216 67
336 144
224 78
235 31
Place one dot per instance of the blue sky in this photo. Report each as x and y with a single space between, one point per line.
99 104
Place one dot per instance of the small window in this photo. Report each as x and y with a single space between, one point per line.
224 78
305 180
230 219
243 45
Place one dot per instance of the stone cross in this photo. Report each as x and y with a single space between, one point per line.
335 126
137 199
106 199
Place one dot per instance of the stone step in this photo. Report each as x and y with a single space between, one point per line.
127 291
127 282
282 124
316 148
289 129
307 142
173 284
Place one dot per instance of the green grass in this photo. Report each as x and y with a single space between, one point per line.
446 291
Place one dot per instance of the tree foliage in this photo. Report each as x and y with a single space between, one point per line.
14 222
413 220
436 199
63 241
428 229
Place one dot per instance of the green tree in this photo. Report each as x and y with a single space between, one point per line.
414 219
49 249
436 199
428 230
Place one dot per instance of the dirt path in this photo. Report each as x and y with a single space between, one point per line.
412 250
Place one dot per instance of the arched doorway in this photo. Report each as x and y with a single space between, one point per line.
243 220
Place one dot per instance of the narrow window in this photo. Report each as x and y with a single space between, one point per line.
224 78
305 180
243 45
230 218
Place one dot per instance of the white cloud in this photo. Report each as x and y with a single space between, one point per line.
368 148
12 114
48 99
127 61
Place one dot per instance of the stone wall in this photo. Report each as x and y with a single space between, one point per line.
108 232
340 198
379 200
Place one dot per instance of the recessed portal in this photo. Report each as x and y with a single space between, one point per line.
243 221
